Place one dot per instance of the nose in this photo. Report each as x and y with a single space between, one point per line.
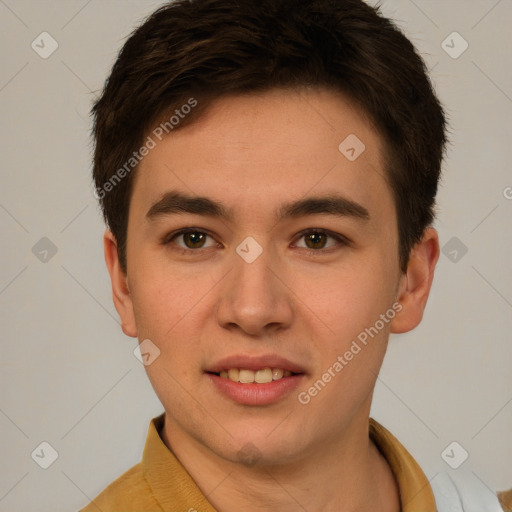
254 297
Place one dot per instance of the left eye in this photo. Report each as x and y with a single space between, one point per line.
318 239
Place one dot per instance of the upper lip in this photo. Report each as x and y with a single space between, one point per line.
255 363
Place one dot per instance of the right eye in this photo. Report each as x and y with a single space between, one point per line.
189 239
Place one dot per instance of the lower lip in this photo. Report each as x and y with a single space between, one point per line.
256 394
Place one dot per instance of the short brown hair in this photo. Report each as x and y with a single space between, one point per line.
202 50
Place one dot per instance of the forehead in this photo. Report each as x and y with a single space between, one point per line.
265 149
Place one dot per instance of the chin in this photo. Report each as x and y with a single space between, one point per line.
255 448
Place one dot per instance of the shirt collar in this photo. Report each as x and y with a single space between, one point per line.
172 486
415 492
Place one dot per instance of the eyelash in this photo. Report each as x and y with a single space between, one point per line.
342 240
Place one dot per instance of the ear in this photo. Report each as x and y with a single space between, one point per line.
120 291
415 283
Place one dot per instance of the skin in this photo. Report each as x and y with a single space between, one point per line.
254 153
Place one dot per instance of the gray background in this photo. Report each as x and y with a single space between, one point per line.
68 374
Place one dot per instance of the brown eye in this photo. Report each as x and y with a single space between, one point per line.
318 239
189 239
194 239
315 240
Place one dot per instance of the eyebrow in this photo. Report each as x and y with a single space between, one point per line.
179 203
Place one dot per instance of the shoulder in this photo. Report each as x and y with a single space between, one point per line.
129 492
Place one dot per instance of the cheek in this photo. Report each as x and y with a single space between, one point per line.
350 302
172 309
352 351
167 313
351 297
156 308
164 299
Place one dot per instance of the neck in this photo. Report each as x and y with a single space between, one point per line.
350 475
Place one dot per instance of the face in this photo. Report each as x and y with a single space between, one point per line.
257 250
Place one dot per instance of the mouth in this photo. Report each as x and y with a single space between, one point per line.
255 381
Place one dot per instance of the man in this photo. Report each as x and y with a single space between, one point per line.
268 173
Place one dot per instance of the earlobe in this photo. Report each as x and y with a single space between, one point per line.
416 282
120 290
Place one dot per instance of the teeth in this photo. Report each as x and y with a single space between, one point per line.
263 376
246 376
277 373
233 374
